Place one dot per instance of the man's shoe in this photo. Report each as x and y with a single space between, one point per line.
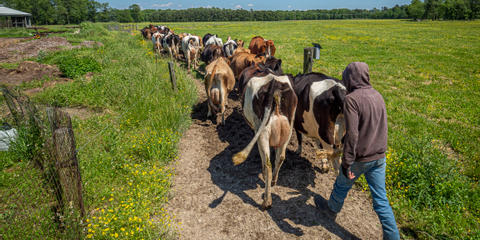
322 205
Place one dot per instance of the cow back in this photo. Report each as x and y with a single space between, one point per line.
257 45
206 37
271 66
259 95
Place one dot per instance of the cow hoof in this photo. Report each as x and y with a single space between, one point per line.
325 168
266 206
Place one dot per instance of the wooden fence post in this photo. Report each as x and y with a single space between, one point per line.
308 59
66 162
173 79
9 98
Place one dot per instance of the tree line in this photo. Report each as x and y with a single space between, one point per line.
76 11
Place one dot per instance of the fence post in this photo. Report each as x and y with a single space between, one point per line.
9 98
308 59
173 79
66 162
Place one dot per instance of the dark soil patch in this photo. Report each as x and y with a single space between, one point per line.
15 50
28 71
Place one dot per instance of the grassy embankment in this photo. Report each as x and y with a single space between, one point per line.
429 75
125 140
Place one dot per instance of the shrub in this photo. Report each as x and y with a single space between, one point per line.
73 66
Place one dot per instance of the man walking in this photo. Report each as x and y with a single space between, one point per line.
364 149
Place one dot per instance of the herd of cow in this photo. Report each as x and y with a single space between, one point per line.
273 103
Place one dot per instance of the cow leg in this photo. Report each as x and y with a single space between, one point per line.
195 60
209 114
280 156
170 52
223 100
264 150
299 140
188 61
279 159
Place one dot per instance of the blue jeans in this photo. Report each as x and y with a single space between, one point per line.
375 175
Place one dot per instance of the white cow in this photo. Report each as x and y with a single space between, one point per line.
191 48
269 107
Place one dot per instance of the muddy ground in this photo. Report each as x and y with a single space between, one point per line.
15 49
212 199
28 71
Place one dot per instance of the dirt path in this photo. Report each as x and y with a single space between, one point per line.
215 200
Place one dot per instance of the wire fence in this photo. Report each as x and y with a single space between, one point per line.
47 147
47 187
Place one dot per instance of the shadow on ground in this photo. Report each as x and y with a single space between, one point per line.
297 174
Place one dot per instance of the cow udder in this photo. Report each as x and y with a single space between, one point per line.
279 131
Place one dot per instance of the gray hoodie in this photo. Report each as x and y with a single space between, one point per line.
365 117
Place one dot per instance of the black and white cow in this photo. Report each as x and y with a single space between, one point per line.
212 39
269 104
210 53
205 38
229 47
157 42
320 114
163 29
170 42
191 48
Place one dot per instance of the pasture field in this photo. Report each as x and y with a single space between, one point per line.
429 75
131 121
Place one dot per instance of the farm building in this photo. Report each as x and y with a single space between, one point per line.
14 18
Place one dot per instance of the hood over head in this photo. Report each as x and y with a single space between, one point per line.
356 76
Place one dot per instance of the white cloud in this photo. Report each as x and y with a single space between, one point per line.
238 6
289 6
162 5
250 5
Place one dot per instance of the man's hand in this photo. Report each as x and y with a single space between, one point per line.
347 173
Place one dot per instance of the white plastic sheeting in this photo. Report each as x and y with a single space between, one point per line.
6 138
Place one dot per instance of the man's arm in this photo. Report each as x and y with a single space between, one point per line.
351 136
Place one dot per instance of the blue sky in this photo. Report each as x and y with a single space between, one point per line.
257 5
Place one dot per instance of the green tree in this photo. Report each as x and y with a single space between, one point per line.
434 9
124 16
135 12
416 9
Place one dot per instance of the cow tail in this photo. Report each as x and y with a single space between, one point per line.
240 157
209 84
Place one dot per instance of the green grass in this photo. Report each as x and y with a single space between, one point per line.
124 154
429 75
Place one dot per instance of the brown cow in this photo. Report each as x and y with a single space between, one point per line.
240 43
242 60
241 50
146 33
260 46
269 108
219 82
